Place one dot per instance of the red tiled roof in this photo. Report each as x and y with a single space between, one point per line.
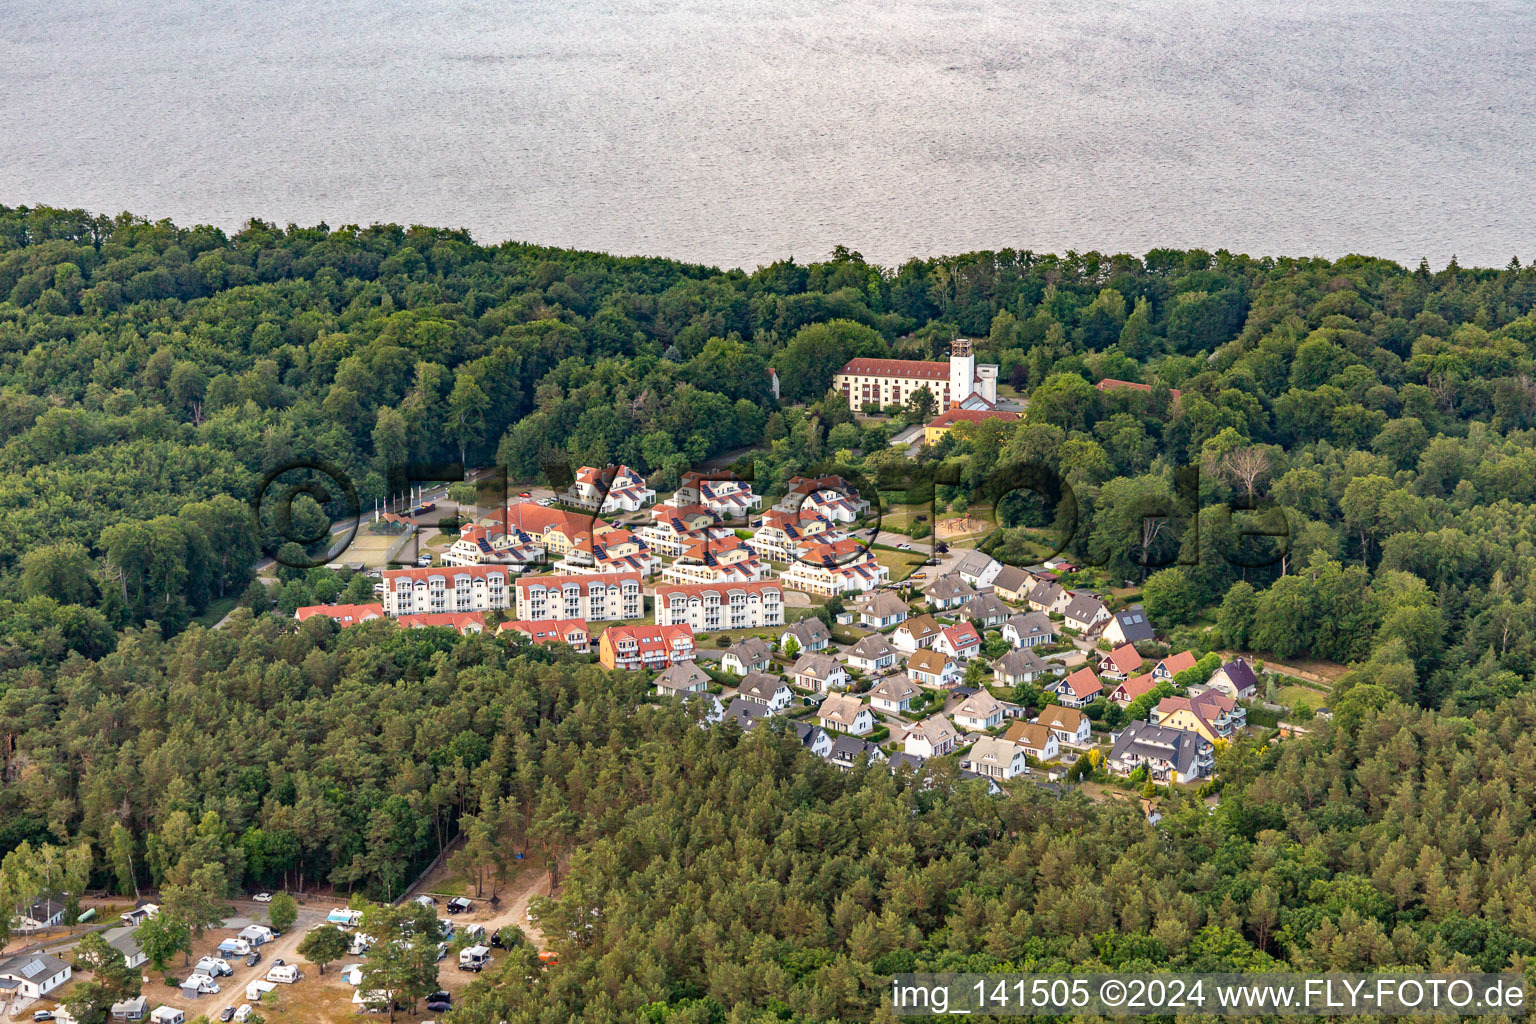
1123 659
346 614
454 620
914 368
953 416
1083 683
1176 663
1134 687
547 631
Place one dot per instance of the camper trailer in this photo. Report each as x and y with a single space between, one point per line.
138 915
197 985
287 974
258 988
344 917
256 934
234 947
474 958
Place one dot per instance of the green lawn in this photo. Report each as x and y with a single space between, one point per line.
1290 694
217 609
900 563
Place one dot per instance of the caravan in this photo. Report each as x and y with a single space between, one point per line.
234 947
474 958
285 974
258 988
344 917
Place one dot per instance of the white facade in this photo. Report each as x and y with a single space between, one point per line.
595 597
436 590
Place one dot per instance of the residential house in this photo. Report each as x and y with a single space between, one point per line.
879 610
948 591
1048 597
782 533
810 633
490 542
1165 670
932 737
438 589
606 548
1129 625
978 568
645 646
987 609
960 641
901 759
1236 679
709 606
893 694
769 690
674 529
747 655
341 614
1210 713
916 633
1118 664
33 975
1020 665
45 913
997 758
683 678
847 751
1077 690
1069 725
841 712
717 562
831 497
1085 612
979 712
745 713
125 943
1013 584
813 738
722 492
610 489
462 623
872 654
1031 629
572 632
1170 755
819 673
1036 740
592 597
832 567
1127 692
933 669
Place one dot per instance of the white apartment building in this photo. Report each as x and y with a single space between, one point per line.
439 589
711 607
619 488
595 597
722 493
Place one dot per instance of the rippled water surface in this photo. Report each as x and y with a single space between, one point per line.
736 132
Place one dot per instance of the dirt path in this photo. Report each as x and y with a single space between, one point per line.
532 881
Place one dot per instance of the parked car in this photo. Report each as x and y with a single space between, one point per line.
470 965
524 494
253 960
42 1015
440 996
279 962
422 561
262 897
227 1014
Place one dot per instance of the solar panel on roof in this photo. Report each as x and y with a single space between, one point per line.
33 968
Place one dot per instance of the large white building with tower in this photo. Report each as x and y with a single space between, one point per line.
957 384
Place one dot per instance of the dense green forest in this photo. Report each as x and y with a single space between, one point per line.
1384 417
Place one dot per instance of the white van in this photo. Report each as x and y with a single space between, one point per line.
284 975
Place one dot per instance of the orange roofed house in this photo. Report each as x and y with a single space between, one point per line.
936 428
342 614
645 646
463 623
548 631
